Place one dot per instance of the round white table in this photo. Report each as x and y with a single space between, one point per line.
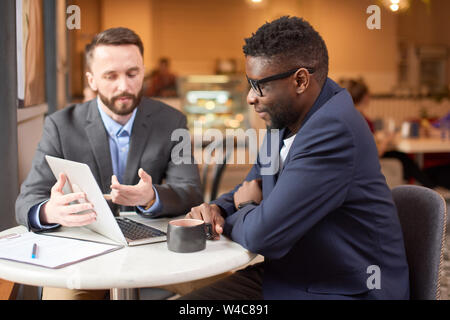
420 146
130 268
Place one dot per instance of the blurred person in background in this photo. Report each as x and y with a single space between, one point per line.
162 82
430 178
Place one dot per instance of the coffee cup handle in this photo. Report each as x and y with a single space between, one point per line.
209 231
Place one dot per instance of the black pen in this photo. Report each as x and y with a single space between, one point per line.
34 252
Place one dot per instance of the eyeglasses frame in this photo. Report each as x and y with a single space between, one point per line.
255 83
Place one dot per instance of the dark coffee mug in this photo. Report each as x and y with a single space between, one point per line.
187 235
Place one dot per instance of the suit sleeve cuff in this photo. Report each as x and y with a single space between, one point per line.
155 208
34 221
231 220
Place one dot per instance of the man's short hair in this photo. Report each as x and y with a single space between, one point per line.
293 41
115 37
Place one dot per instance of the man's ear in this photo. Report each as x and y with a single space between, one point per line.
302 78
91 81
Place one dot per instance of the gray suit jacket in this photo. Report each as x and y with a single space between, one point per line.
77 133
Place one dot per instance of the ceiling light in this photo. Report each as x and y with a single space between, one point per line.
394 7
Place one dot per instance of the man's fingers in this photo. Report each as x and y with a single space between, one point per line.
68 198
76 208
201 212
58 186
219 221
122 198
205 211
72 215
218 230
123 188
114 180
78 220
144 176
62 180
195 213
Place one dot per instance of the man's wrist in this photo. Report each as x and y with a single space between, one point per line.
150 204
34 219
246 203
42 214
152 201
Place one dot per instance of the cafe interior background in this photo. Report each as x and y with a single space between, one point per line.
404 62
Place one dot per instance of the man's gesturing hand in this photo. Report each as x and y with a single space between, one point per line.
210 213
60 210
138 195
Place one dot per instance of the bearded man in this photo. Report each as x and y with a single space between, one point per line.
124 138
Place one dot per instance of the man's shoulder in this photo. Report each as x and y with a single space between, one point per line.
72 111
339 108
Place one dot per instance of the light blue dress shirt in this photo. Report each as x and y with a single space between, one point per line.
119 141
119 145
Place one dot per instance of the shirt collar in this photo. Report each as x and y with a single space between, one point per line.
114 128
288 141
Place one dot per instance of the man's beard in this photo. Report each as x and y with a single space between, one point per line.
281 116
111 103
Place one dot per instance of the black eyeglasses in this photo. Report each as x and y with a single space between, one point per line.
255 83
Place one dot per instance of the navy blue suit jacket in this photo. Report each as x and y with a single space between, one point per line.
328 217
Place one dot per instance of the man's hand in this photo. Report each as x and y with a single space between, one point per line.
210 213
59 210
249 190
138 195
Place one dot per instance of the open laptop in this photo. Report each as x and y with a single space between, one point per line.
122 230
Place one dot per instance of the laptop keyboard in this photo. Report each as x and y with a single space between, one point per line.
135 231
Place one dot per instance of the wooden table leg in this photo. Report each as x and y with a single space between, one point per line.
8 290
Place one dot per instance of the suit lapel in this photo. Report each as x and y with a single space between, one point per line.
280 145
142 127
98 140
328 91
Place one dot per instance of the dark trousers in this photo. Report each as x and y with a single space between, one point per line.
440 175
411 169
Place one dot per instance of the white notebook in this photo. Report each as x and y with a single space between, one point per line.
52 252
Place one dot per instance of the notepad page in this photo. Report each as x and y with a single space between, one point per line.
52 252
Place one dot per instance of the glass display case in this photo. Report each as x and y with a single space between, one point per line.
214 101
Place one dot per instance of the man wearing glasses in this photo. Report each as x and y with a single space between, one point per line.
326 219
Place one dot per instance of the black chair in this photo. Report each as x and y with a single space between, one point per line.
217 173
423 216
